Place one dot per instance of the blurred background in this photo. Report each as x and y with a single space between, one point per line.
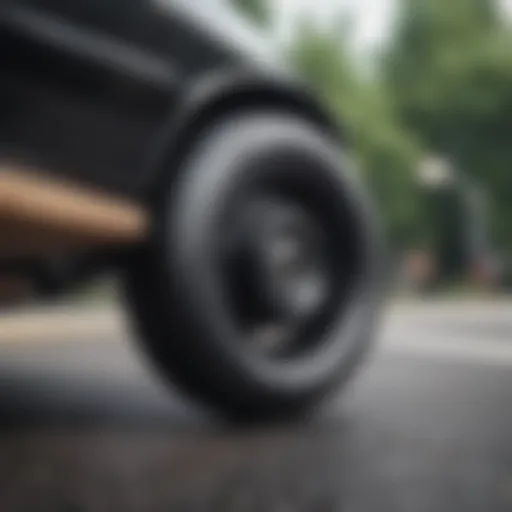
423 91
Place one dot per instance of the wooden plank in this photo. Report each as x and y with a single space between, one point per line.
42 213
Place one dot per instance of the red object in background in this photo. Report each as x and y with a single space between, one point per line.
420 268
485 271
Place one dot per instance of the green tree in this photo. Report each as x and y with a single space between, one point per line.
450 72
382 150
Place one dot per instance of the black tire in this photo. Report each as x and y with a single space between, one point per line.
174 288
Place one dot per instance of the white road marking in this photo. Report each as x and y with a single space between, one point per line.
487 352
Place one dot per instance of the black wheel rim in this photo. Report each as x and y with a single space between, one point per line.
280 268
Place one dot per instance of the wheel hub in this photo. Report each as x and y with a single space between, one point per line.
293 262
283 275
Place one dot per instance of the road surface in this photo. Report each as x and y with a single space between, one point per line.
427 426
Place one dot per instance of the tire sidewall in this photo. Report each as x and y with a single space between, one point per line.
186 239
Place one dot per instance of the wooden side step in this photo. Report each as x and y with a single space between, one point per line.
39 213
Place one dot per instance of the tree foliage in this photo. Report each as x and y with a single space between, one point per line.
256 10
383 151
450 70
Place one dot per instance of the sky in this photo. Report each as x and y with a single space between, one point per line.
373 19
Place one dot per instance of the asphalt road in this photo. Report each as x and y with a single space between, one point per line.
427 426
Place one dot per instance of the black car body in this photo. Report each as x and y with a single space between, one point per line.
87 86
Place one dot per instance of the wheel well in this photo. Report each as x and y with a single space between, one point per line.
269 99
175 142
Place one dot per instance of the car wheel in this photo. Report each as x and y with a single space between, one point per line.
258 291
